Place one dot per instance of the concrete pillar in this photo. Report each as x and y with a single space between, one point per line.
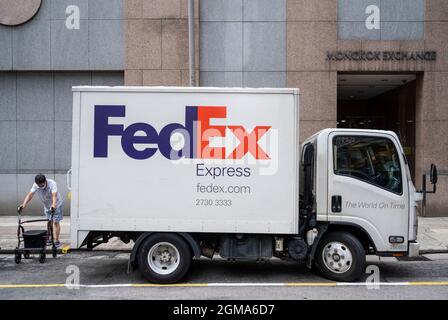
156 42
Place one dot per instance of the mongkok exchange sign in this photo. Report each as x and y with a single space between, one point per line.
381 55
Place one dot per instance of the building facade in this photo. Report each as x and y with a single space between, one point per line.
380 64
64 43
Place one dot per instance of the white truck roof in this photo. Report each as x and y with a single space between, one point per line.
183 89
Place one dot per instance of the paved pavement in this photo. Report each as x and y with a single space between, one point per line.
103 275
432 234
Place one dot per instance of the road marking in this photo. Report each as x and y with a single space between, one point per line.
311 284
21 286
361 284
428 283
265 284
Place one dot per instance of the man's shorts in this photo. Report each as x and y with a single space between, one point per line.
57 217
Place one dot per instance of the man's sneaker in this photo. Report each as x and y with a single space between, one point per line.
49 243
57 244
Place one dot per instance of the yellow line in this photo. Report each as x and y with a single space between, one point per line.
441 283
144 285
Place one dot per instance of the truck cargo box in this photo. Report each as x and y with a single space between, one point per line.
217 160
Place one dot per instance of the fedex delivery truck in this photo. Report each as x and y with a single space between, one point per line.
191 172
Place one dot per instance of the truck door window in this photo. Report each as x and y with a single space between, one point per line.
371 159
308 174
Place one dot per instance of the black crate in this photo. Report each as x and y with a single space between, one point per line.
35 238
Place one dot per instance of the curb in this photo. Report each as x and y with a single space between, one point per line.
63 251
433 251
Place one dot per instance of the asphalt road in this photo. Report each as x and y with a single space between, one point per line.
103 275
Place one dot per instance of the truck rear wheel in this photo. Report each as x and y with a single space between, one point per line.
340 257
164 258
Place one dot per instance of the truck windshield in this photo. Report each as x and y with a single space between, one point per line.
371 159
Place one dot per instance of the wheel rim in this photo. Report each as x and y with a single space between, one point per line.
163 258
337 257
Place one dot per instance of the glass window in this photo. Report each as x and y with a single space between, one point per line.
371 159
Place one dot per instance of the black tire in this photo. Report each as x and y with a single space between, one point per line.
348 244
26 254
42 257
17 257
54 252
183 260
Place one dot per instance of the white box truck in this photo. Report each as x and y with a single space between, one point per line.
191 172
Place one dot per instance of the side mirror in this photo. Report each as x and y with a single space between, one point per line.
433 174
433 177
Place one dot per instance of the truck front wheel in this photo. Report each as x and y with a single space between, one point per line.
164 258
340 257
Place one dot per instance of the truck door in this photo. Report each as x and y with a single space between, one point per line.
368 187
307 182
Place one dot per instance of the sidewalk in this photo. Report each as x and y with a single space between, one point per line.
8 234
432 234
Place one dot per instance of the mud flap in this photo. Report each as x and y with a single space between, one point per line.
414 249
321 231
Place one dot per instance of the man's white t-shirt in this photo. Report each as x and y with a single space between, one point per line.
45 194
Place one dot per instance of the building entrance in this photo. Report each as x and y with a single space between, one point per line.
379 101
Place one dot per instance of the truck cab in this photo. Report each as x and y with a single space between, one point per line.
358 183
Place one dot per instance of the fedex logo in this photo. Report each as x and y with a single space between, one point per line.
196 131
